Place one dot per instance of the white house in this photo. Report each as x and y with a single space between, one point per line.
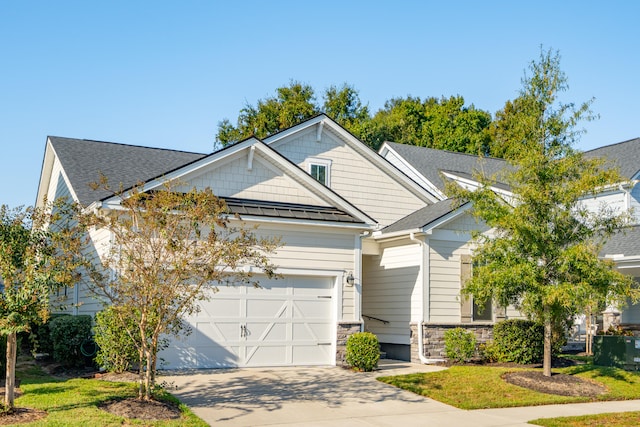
371 241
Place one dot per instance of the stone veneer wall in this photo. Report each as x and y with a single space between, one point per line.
433 338
345 330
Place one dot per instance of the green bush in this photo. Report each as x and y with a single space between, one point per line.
363 351
459 344
3 353
67 335
519 341
117 351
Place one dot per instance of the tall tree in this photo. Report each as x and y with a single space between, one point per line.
170 249
543 255
291 105
39 251
444 123
344 106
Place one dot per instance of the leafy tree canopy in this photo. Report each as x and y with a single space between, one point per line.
543 254
291 105
444 123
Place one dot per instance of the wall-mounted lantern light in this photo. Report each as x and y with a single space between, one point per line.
350 279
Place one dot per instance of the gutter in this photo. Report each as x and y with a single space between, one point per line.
425 267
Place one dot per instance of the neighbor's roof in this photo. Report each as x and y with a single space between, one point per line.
261 208
85 160
624 155
425 216
625 242
430 162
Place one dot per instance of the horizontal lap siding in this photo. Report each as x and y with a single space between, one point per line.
391 290
316 248
353 176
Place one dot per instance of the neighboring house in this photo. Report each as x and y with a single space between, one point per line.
371 241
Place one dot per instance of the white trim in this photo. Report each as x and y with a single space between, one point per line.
252 150
383 164
420 178
316 161
294 172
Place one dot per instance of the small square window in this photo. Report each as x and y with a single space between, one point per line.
319 172
319 169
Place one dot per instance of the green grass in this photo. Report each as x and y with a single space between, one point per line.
478 387
622 419
75 402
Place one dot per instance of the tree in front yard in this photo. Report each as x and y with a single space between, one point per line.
168 249
543 254
38 253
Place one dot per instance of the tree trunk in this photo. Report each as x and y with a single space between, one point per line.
140 373
148 382
548 330
10 379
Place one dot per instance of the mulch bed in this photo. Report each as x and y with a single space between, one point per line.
561 384
141 409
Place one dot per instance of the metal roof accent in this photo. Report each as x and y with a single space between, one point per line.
288 210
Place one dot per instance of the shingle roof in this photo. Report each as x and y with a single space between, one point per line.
84 160
424 216
288 210
430 162
625 242
624 155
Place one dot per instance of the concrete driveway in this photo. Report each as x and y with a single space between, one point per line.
331 396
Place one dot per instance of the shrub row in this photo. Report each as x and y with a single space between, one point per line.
514 340
63 337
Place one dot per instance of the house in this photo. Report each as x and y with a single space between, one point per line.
371 242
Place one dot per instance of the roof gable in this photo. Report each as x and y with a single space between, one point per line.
427 164
249 151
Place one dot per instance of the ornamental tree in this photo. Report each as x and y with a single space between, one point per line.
542 256
39 252
168 248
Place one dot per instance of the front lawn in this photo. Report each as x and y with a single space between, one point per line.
479 387
75 402
622 419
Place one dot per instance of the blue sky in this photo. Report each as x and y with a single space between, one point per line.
163 74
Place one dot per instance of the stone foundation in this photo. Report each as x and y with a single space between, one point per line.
345 330
433 337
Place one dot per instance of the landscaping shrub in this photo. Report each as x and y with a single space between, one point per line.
40 339
67 334
117 351
363 351
519 341
3 353
459 344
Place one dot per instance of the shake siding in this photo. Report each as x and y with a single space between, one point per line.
326 250
260 183
391 291
58 187
353 177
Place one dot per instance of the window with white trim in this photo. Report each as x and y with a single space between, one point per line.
320 170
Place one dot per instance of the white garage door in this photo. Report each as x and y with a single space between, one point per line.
286 322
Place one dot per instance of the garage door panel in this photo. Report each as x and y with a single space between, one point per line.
310 309
289 321
310 354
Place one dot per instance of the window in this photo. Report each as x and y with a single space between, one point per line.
320 170
482 313
469 310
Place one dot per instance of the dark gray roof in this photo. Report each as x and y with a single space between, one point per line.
430 162
625 155
625 242
425 216
288 210
127 165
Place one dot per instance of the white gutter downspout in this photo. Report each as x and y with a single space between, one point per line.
425 267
